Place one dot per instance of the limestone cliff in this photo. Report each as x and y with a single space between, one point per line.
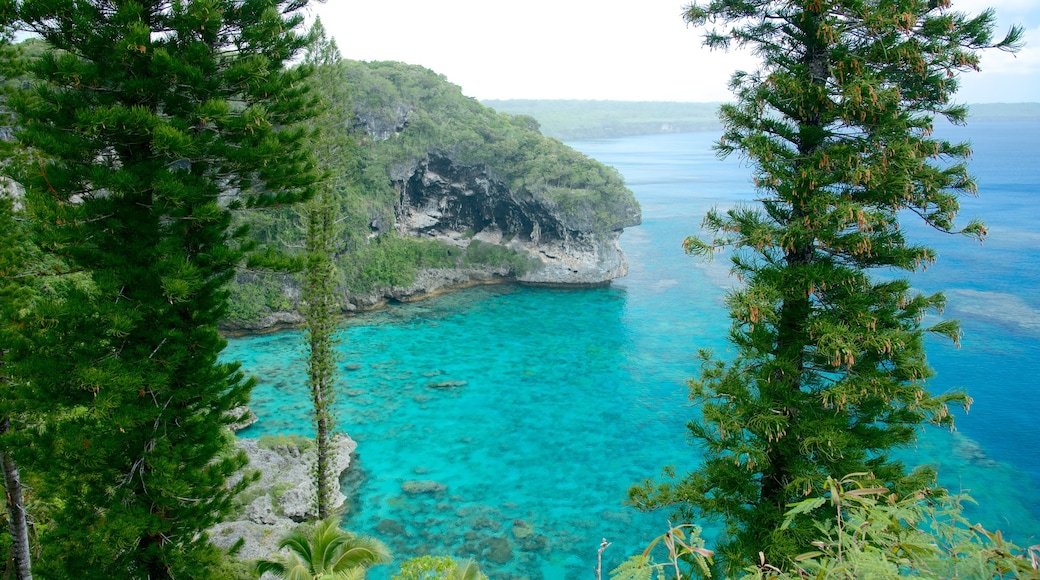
463 172
435 173
457 203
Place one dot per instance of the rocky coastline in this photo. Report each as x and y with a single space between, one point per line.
283 495
463 205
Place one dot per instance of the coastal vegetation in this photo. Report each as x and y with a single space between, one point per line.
874 534
319 302
326 551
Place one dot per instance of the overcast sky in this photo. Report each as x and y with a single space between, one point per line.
632 50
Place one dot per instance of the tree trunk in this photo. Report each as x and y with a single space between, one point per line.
16 512
322 440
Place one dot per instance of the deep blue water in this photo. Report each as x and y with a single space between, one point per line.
536 408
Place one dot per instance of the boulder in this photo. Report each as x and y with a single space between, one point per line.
423 486
497 550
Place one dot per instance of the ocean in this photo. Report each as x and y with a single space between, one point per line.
524 414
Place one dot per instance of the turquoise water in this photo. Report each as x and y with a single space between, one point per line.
534 410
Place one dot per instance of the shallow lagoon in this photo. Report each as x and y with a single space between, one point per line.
536 409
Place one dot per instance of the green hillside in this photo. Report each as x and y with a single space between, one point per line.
569 120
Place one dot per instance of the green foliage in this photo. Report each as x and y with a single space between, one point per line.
285 442
829 369
686 557
423 113
319 301
877 534
326 552
439 568
5 541
392 261
231 568
426 568
873 533
139 132
483 253
414 113
256 294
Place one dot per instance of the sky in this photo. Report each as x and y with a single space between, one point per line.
629 50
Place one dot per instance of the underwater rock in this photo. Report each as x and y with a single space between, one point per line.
423 486
971 451
470 549
497 550
537 544
491 524
522 529
447 384
391 529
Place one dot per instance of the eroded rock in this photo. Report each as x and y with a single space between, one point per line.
573 243
282 497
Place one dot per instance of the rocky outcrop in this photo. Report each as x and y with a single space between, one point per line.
568 240
432 163
282 497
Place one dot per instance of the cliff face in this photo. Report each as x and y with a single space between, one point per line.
457 203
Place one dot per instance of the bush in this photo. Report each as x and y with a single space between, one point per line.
285 442
485 254
875 535
392 261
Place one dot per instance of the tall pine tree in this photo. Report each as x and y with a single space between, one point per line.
151 122
16 277
829 373
320 306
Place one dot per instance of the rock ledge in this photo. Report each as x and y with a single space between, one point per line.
282 497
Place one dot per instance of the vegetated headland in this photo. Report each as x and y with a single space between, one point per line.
584 119
441 193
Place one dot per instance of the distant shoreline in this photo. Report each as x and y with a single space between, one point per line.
570 120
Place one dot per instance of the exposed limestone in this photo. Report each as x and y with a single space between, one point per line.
242 416
282 497
457 203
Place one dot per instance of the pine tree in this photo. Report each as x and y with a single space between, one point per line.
150 122
14 294
334 149
320 312
829 373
